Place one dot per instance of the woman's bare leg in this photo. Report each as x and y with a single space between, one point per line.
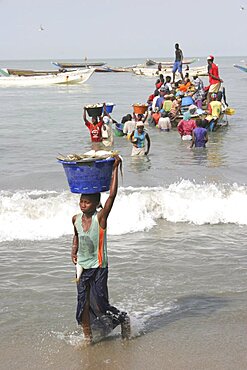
125 328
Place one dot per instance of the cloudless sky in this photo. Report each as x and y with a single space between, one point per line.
121 28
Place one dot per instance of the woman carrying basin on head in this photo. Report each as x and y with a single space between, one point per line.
89 250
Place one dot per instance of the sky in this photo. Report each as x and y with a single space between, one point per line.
100 29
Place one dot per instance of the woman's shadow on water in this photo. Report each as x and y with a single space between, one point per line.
191 306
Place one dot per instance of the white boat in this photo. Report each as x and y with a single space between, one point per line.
151 62
167 71
11 77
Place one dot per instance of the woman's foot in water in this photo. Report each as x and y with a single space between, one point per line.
125 327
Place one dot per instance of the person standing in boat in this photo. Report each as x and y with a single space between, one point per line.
214 78
178 63
198 95
89 251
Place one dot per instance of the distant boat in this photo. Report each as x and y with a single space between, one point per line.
17 77
65 65
113 69
167 71
242 68
150 62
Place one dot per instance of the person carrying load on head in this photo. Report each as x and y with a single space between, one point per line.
89 250
94 127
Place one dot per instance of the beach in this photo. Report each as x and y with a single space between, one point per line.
176 234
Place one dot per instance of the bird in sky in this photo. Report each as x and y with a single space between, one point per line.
41 28
241 7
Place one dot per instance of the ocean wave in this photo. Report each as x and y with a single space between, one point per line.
40 215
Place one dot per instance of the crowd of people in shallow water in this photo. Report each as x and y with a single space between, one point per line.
188 105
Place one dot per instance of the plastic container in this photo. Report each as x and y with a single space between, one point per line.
109 107
119 129
230 111
187 100
89 177
140 109
94 111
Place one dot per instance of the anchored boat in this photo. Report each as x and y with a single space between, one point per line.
18 77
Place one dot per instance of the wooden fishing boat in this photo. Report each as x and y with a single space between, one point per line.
167 71
222 120
242 68
113 69
76 65
15 77
26 72
150 62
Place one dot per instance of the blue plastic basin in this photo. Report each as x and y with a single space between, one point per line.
187 100
108 108
89 177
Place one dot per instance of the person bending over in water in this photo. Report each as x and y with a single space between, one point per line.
89 250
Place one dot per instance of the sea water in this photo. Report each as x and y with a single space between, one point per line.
177 233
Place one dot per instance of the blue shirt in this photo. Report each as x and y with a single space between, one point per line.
200 137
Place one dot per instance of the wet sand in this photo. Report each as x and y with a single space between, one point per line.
205 342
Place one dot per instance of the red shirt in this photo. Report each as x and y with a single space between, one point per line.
151 98
156 117
186 127
95 131
158 85
213 69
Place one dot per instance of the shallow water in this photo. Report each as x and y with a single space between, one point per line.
177 234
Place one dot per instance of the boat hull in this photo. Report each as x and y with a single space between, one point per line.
150 62
222 121
78 65
242 68
154 72
60 78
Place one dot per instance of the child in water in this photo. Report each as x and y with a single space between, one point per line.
89 250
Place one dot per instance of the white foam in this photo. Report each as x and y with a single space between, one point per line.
38 215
